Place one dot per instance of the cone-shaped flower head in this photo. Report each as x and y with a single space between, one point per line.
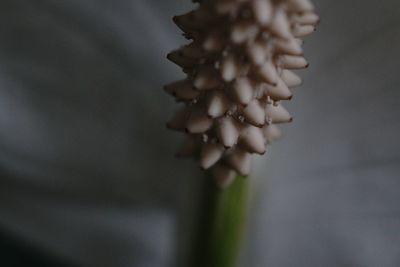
239 68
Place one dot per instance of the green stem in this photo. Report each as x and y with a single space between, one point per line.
222 226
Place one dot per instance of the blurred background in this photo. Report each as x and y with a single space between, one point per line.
87 176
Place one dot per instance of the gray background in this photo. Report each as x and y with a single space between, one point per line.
88 171
332 188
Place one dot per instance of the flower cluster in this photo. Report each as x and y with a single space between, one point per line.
239 68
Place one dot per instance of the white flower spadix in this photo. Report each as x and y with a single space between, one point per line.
239 64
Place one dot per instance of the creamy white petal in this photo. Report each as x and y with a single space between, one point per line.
229 68
293 62
277 114
262 10
243 90
255 113
279 92
243 31
302 30
289 47
308 18
210 154
258 52
214 42
280 24
218 104
290 78
227 131
240 160
268 72
252 138
198 122
179 59
206 78
182 90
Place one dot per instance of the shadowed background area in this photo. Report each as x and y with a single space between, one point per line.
87 174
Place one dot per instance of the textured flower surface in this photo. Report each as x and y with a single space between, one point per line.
239 68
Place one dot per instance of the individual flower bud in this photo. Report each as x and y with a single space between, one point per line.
302 30
179 59
229 68
192 50
227 131
290 78
293 62
198 122
277 114
278 92
258 52
206 78
255 113
288 47
268 72
243 90
210 154
262 10
240 160
307 18
252 138
186 22
218 104
214 42
280 24
299 41
182 90
243 31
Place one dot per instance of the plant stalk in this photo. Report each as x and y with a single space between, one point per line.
218 244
